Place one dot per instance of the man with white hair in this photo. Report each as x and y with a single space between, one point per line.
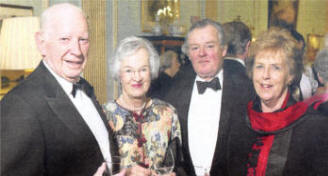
51 123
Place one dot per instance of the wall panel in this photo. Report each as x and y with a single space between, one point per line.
96 68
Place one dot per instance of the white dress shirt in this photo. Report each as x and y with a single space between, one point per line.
89 113
203 125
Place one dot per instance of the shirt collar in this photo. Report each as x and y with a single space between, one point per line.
66 85
236 59
218 75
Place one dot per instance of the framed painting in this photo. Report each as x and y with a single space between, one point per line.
166 10
283 13
313 46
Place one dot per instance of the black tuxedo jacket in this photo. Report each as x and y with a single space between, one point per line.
42 133
237 91
235 67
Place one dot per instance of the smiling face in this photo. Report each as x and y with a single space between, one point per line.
135 74
271 78
64 44
205 51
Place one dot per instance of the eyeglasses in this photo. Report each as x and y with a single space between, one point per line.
131 72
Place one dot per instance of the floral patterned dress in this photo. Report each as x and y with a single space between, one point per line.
144 138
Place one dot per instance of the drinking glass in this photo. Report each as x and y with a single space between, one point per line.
115 161
202 171
167 165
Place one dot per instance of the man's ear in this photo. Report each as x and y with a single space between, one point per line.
40 42
224 50
247 46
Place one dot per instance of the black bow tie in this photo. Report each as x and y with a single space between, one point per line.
214 84
84 86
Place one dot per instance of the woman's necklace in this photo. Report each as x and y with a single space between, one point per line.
133 108
137 114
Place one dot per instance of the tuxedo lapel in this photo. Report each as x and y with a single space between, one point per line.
65 110
224 121
226 101
185 95
60 103
67 113
180 96
237 91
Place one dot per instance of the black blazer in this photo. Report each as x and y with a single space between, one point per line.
42 133
235 66
237 91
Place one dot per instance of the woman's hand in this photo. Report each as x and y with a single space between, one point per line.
137 170
102 169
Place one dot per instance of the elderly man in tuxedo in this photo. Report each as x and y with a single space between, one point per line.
208 97
51 123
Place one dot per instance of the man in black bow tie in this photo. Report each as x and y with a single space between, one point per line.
206 96
45 129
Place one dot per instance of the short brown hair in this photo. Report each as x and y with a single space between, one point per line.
237 36
202 24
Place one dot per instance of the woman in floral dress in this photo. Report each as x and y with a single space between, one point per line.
144 128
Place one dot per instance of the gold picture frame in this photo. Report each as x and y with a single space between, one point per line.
150 8
285 10
313 46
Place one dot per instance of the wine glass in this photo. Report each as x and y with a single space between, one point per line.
202 171
167 165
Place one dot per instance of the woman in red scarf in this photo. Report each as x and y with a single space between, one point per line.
279 136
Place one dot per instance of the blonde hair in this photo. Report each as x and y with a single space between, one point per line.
278 40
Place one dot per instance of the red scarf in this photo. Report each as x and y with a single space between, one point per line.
269 122
273 121
317 100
